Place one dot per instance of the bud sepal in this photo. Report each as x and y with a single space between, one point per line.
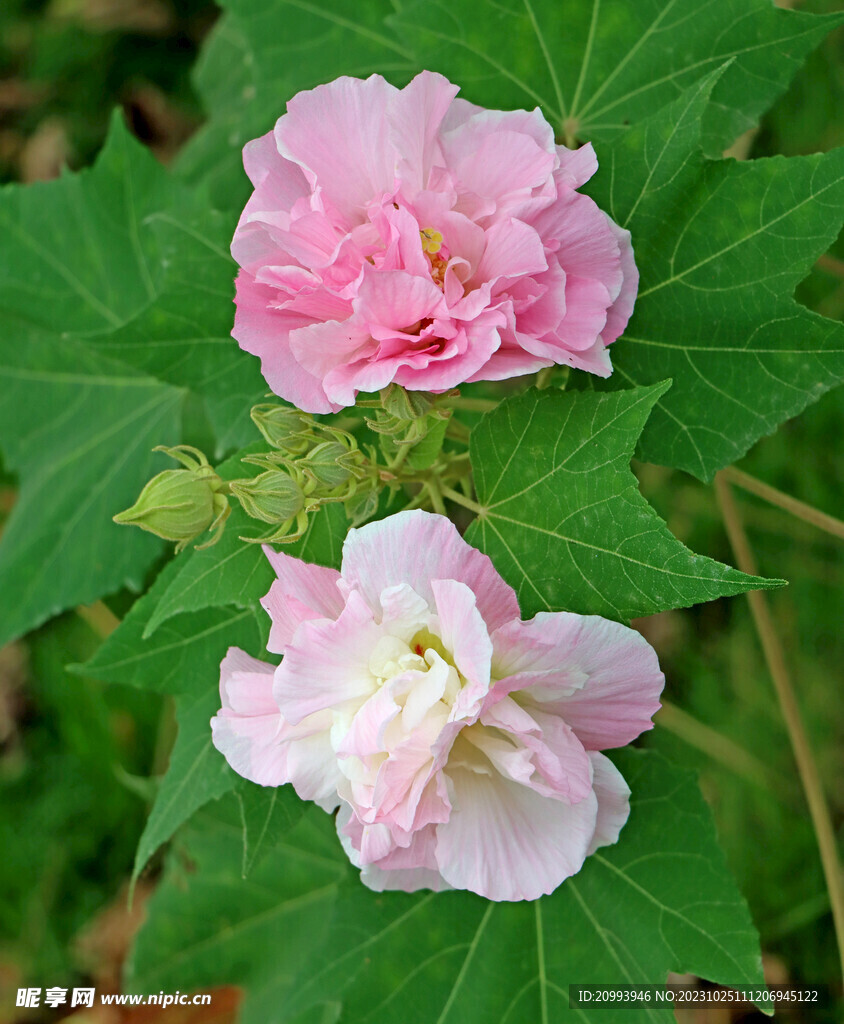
181 504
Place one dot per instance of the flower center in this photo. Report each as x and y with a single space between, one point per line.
432 241
437 253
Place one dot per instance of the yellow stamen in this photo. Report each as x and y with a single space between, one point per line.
432 241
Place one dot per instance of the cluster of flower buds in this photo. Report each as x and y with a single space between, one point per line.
181 504
406 419
312 465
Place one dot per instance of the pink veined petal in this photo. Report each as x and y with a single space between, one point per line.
465 636
506 842
326 665
278 185
266 333
339 135
404 869
416 114
576 165
593 360
613 795
310 762
301 592
395 298
415 547
588 246
319 348
472 347
366 373
510 361
252 735
587 301
513 249
619 312
622 684
246 729
497 164
561 764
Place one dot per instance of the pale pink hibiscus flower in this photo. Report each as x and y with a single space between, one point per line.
411 237
459 744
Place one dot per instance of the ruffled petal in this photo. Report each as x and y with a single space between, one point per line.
417 547
301 592
247 727
613 795
619 312
416 115
339 134
506 842
602 678
265 332
326 665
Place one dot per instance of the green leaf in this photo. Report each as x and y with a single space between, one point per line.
197 773
112 291
562 516
593 68
183 656
661 899
268 813
720 246
78 431
206 926
184 336
596 67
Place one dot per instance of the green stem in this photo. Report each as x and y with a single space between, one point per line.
436 497
403 452
775 658
797 508
720 748
461 499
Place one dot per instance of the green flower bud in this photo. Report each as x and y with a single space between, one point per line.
179 504
272 497
406 405
331 464
284 428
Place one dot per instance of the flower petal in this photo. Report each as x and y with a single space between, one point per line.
506 842
246 729
465 636
417 547
620 692
613 795
326 665
619 313
416 115
265 333
339 135
302 592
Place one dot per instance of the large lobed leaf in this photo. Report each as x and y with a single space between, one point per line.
561 513
593 67
661 899
115 305
720 246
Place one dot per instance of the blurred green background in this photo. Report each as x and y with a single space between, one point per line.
76 757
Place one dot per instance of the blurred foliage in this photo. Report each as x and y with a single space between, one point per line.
74 755
70 814
65 63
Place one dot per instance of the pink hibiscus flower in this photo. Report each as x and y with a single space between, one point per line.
460 744
407 236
